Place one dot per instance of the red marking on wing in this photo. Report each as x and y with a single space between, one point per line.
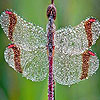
17 61
91 53
11 46
12 23
92 20
8 12
87 25
85 65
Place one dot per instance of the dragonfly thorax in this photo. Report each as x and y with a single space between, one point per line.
50 36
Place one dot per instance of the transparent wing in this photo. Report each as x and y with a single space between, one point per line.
71 69
32 64
22 33
75 40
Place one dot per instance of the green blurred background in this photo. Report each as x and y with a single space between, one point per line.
69 12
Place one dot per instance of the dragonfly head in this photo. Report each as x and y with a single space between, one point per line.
51 11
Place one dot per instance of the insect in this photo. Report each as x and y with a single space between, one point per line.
66 53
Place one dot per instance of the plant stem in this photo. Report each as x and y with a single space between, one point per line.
52 1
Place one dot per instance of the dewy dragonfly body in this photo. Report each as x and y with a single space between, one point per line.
31 51
51 14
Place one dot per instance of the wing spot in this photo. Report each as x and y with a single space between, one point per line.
87 25
17 61
91 53
85 64
8 12
12 23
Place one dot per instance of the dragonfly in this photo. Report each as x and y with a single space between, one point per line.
65 54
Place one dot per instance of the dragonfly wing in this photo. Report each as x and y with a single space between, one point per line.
75 40
22 33
71 69
32 64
